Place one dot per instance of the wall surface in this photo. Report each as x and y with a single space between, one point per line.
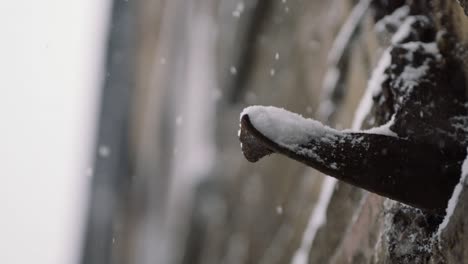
193 197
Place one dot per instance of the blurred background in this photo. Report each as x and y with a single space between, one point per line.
121 117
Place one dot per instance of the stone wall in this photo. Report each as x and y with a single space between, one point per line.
277 53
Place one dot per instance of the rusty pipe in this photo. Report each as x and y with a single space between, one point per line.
417 174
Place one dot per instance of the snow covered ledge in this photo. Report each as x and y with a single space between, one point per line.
376 160
452 203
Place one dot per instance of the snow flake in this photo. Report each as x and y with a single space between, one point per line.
239 9
276 56
179 120
279 210
104 151
272 72
216 94
89 172
233 70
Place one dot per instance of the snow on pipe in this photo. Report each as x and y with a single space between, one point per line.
416 174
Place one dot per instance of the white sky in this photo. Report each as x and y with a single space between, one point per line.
50 61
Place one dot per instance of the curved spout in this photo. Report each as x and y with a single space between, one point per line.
416 174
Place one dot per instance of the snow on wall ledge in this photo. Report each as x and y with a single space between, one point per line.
454 199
